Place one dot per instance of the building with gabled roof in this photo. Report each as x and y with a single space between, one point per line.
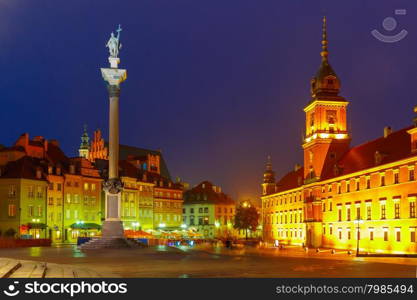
209 211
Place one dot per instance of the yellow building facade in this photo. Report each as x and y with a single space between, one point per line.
343 197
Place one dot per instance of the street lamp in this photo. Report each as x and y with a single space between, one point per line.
358 235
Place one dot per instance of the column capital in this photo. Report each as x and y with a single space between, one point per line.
113 76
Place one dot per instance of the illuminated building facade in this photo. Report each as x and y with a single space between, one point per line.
150 199
344 197
209 211
45 194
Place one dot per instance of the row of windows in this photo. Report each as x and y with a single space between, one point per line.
88 216
357 186
284 199
167 218
32 190
58 186
354 233
204 220
168 195
285 217
290 232
347 212
159 204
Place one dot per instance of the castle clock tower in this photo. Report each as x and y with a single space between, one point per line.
327 136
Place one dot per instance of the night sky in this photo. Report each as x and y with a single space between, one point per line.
217 85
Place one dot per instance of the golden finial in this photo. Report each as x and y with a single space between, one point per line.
324 53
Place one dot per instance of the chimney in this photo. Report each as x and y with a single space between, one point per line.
38 173
387 131
58 170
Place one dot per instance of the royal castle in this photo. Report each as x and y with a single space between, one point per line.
344 197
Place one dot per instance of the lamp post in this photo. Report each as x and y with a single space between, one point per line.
358 234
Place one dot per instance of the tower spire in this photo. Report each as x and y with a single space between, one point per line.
324 53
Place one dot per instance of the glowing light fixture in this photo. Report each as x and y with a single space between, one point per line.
340 136
324 135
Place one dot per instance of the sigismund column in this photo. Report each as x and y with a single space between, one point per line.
113 76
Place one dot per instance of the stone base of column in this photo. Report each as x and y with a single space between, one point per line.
112 229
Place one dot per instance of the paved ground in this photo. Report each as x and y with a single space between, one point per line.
216 262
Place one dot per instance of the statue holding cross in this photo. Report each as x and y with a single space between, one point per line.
114 44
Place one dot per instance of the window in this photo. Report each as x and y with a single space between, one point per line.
397 210
412 235
357 185
86 186
50 201
31 192
68 183
39 212
358 212
330 229
200 220
68 214
39 192
93 187
59 186
368 212
348 214
76 198
75 214
412 209
30 211
382 180
340 233
330 205
339 212
383 211
68 198
324 207
398 234
59 201
200 210
348 187
12 191
368 183
324 230
12 210
385 234
191 220
348 234
411 174
192 210
51 186
206 209
371 234
396 180
206 220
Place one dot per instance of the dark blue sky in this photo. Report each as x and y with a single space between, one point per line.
217 85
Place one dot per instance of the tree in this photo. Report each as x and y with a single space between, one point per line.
246 218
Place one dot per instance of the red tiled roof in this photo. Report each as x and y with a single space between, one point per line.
204 193
394 147
291 180
22 168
